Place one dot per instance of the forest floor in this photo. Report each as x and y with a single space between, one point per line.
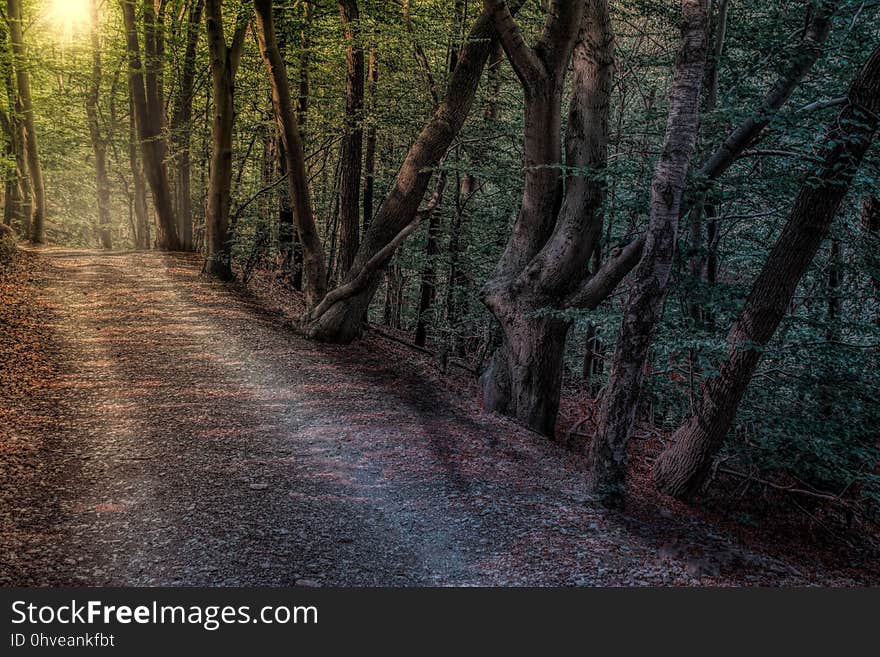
157 428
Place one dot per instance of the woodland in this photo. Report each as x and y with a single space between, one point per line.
613 218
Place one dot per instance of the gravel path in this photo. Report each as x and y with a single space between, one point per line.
178 434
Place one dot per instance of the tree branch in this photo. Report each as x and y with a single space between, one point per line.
604 281
525 62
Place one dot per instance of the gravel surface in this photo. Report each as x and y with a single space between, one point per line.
167 430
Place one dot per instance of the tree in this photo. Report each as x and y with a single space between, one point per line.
353 136
99 142
182 125
683 466
224 66
25 109
313 252
340 316
651 278
149 113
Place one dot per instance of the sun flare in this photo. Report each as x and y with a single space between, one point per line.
69 16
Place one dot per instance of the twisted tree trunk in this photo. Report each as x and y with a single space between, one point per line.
342 321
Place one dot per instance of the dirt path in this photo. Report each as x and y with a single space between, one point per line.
186 437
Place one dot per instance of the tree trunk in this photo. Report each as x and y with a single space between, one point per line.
99 143
150 112
544 259
224 66
298 183
371 139
682 468
644 304
25 110
181 127
353 138
139 183
428 283
342 321
806 55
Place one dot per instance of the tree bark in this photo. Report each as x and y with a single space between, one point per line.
224 66
645 301
150 120
682 468
25 109
181 127
313 251
99 143
353 138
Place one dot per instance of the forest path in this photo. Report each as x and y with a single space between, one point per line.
187 437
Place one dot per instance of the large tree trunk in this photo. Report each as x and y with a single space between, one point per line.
181 127
224 66
681 469
645 301
150 119
99 143
544 259
298 183
25 110
342 321
353 138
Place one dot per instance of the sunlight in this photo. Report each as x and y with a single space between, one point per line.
69 16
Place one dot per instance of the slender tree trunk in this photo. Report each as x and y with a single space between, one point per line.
313 252
645 301
428 284
99 143
353 138
139 183
181 127
16 210
224 66
26 112
682 467
150 113
544 260
371 138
